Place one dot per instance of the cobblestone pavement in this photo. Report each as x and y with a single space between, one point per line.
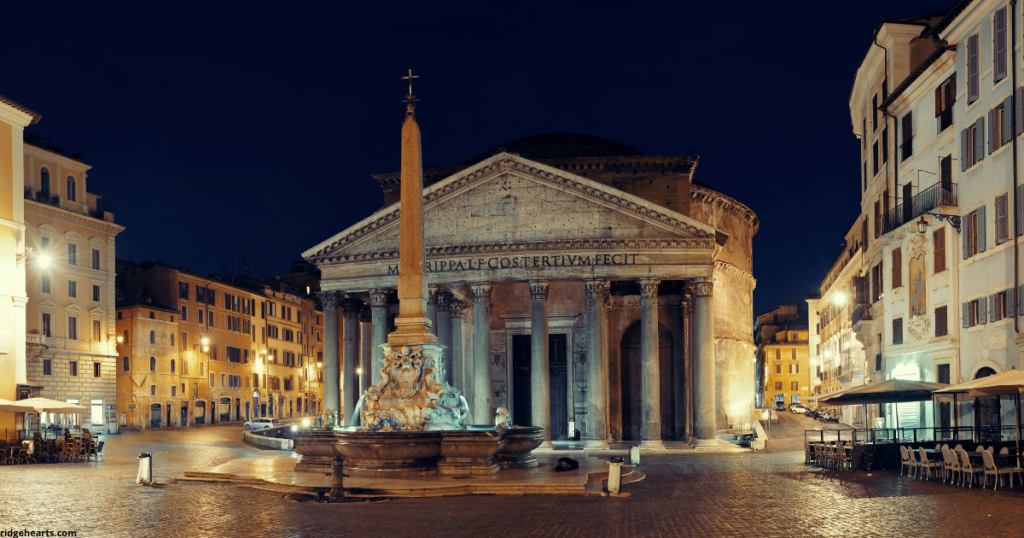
758 494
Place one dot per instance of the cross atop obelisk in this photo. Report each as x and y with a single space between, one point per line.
411 326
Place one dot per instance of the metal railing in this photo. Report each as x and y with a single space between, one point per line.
861 312
937 195
972 434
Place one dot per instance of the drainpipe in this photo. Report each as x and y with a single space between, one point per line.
885 113
1013 132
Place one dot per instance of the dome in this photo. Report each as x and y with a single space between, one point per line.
558 146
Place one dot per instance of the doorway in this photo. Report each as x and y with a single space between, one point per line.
632 384
169 411
200 413
155 414
558 377
184 414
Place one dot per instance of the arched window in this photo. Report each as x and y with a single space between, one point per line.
72 190
44 182
152 364
172 366
127 364
126 336
172 339
152 337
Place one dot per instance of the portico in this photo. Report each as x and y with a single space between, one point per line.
541 282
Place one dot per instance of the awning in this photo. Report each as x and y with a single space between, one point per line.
819 397
40 405
892 390
1011 382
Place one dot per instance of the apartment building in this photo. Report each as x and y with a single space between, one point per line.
782 355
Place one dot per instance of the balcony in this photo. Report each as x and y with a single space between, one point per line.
937 195
41 197
861 313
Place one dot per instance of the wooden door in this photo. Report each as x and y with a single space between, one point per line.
522 410
558 385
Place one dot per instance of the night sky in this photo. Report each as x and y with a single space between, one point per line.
235 133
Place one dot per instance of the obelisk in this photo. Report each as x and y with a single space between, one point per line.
412 327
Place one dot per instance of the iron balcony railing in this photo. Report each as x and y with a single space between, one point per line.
938 195
861 312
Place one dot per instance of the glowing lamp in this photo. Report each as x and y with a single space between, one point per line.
44 260
120 339
359 371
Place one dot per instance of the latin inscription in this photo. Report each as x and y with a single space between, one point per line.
516 262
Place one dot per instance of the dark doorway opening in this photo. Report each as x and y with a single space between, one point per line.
155 415
632 384
184 414
558 383
199 413
169 414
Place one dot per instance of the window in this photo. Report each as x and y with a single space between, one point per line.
73 368
96 369
874 158
874 112
96 259
152 337
200 316
975 312
152 364
972 144
974 232
172 339
72 289
73 328
195 389
1002 225
184 312
72 190
999 45
174 389
945 97
72 254
234 354
96 293
999 126
795 385
96 330
973 89
183 290
907 136
897 268
212 379
897 331
172 366
792 352
876 283
152 390
184 341
222 376
46 284
184 371
47 330
939 250
126 364
47 367
778 368
878 220
200 295
794 368
126 336
885 144
152 315
44 184
1002 305
778 385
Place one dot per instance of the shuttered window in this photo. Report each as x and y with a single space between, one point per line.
1002 220
907 136
897 268
945 97
973 57
874 158
941 328
999 44
874 112
878 220
885 145
792 353
946 174
897 331
778 354
939 250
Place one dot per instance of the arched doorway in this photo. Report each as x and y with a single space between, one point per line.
987 412
632 392
225 410
199 413
155 415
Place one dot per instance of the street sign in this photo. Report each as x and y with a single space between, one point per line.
132 406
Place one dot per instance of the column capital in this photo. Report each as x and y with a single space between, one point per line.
329 299
365 314
350 306
596 288
444 301
379 296
539 289
482 292
703 286
432 295
648 287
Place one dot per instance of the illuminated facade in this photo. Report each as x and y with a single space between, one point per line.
783 357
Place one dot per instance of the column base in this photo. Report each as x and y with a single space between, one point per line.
706 444
652 444
597 444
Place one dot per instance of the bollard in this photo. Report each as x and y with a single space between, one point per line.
337 480
634 455
145 469
614 475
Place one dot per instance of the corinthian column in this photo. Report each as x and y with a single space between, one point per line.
481 354
540 395
597 365
650 363
704 332
379 320
332 378
432 308
350 360
443 327
365 343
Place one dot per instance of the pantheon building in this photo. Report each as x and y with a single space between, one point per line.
575 281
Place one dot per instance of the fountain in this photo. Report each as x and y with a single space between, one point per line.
413 422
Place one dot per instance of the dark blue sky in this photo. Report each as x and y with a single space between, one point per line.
251 129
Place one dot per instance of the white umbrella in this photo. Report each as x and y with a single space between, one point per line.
39 405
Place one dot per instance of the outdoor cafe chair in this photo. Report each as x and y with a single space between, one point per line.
927 464
845 457
990 468
991 449
1005 451
808 452
967 469
957 447
950 465
905 461
915 465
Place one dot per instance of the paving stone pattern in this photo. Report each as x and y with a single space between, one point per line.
769 493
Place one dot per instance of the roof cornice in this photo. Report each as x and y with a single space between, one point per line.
70 217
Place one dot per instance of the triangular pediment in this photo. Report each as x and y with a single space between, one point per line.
509 204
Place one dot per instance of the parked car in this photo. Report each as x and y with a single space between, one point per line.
780 406
260 423
797 408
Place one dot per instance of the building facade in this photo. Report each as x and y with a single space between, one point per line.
783 356
13 257
71 348
602 253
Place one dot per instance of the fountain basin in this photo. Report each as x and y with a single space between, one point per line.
517 450
315 449
395 454
470 452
